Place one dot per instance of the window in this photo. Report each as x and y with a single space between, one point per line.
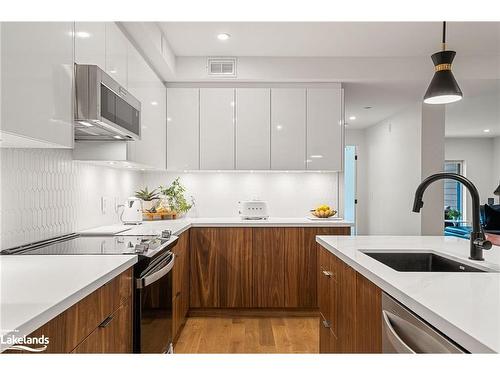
453 192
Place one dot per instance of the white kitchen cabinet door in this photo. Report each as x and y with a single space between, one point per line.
145 85
37 82
217 128
253 128
90 43
116 53
183 129
324 129
288 128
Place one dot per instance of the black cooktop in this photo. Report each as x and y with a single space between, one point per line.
145 246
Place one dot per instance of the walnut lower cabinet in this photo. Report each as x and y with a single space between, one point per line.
99 323
271 267
350 308
180 277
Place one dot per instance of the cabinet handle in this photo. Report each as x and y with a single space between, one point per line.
106 322
327 273
327 324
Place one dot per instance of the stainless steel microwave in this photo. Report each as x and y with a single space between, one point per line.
104 110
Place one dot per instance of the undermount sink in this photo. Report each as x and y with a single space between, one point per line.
419 262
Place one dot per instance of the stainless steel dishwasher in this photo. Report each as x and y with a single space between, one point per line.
405 332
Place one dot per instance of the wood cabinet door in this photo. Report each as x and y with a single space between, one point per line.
234 267
368 316
180 295
346 307
268 267
204 291
113 335
300 268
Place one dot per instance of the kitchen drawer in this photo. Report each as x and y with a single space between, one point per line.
71 327
113 335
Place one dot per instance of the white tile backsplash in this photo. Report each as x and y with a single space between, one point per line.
45 194
217 194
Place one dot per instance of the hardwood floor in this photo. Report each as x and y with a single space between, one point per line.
249 335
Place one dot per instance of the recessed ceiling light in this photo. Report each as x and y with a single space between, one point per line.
352 118
169 119
223 36
486 130
279 127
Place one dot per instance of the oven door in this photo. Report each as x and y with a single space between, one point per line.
153 308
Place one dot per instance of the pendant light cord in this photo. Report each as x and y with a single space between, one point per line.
444 36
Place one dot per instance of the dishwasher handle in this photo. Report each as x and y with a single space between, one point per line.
392 336
149 279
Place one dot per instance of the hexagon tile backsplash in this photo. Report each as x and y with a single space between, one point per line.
45 194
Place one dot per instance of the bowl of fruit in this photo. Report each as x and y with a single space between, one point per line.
323 212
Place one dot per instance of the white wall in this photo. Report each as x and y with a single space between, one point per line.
44 193
479 158
288 194
496 161
393 172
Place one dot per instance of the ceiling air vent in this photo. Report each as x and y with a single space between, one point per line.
222 67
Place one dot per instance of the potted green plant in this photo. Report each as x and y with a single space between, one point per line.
149 198
174 195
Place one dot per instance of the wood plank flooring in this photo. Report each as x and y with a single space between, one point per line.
249 335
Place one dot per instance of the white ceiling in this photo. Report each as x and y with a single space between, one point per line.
345 39
469 117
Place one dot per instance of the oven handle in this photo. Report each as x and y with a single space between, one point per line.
155 276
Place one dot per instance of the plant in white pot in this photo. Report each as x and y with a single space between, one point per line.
149 198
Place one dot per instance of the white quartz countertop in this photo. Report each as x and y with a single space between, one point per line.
34 289
464 306
178 226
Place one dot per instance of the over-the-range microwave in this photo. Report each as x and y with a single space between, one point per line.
104 110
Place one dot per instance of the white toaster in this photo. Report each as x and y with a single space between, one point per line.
253 210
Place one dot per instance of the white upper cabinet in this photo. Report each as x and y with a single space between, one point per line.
183 129
288 128
145 85
324 129
217 128
116 53
90 43
253 128
37 80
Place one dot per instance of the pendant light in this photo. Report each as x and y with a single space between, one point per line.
497 191
443 88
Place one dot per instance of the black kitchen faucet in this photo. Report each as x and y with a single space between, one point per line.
478 242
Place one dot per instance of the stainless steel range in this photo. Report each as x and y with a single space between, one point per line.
152 277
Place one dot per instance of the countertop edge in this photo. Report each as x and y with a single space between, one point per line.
49 314
455 333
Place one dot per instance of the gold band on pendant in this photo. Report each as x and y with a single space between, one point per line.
441 67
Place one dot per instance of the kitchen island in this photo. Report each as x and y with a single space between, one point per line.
465 306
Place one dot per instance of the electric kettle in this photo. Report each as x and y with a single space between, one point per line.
132 211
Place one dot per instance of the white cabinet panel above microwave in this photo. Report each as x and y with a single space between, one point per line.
183 129
116 53
253 128
217 128
90 43
288 128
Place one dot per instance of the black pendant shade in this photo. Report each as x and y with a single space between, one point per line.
443 87
497 191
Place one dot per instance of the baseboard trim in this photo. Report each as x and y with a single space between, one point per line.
229 313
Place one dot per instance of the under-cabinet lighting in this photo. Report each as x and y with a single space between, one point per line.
352 118
117 137
154 103
82 34
486 130
85 123
316 156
